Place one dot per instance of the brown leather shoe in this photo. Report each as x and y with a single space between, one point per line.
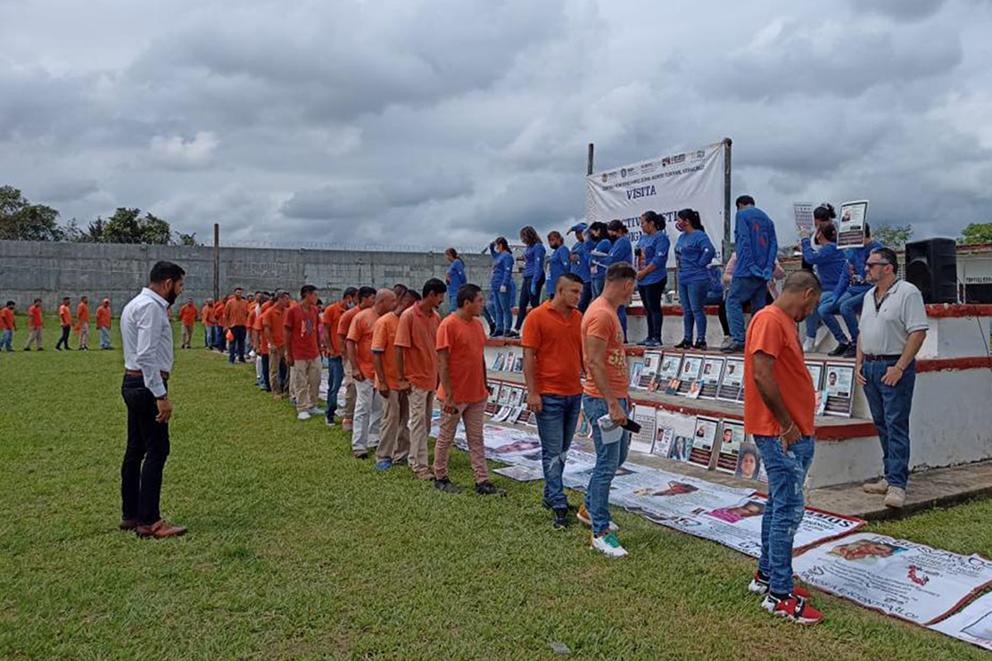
160 530
128 524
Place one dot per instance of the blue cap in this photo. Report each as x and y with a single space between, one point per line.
577 227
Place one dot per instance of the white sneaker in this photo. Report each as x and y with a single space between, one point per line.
880 487
313 410
895 498
583 516
303 415
727 341
609 545
809 344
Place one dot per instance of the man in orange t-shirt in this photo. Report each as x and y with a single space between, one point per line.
207 317
7 326
103 323
36 326
779 405
83 323
365 299
303 353
461 346
65 320
187 318
333 348
273 326
220 329
368 407
262 303
236 315
605 395
552 342
394 445
416 369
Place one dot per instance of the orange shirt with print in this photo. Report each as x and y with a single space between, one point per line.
332 318
35 320
236 312
773 332
601 322
384 344
360 332
103 317
417 334
301 326
187 313
465 342
7 319
272 321
557 344
65 317
83 313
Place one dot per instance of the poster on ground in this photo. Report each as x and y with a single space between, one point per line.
673 435
731 438
732 384
711 377
671 366
522 472
972 624
851 225
898 577
839 389
499 362
703 440
652 363
692 367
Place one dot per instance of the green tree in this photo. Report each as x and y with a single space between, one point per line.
22 221
186 239
976 233
892 236
126 225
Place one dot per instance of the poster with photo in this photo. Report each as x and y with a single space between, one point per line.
897 577
803 213
643 441
851 224
749 465
711 377
815 370
665 495
692 367
731 387
511 445
673 435
671 367
729 452
703 440
492 402
972 624
636 367
499 362
839 389
525 416
652 363
518 364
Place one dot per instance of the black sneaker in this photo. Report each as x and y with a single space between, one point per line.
700 345
852 350
684 344
840 350
733 347
487 488
446 485
561 519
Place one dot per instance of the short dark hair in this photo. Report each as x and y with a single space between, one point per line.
555 234
467 293
365 292
65 298
239 289
571 277
37 300
412 294
743 201
620 271
399 289
830 232
9 303
889 255
163 271
824 212
616 226
306 289
501 241
799 281
434 286
653 218
350 291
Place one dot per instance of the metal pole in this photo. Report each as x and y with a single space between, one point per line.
216 261
727 236
589 160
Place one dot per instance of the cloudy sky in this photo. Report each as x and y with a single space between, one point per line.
434 122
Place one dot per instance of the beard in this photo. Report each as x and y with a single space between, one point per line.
172 295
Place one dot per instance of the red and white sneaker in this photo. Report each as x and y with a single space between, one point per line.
793 608
760 585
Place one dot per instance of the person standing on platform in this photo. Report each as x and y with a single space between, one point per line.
599 246
621 250
103 315
652 278
560 261
501 284
83 323
236 315
605 396
368 407
693 253
394 444
779 401
416 369
273 325
187 317
364 300
36 325
461 345
580 263
830 265
756 248
303 352
893 327
455 277
714 296
147 338
851 289
7 326
552 343
533 284
65 321
334 348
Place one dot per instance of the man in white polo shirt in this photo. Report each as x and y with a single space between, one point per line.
893 327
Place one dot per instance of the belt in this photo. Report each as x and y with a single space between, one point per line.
873 357
165 375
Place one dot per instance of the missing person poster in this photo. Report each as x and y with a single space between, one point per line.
518 364
636 368
839 389
498 362
972 624
851 225
731 387
803 212
731 438
711 377
692 367
643 441
492 403
815 370
749 466
897 577
673 435
652 363
703 440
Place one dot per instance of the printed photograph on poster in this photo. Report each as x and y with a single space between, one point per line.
839 389
731 439
671 366
703 440
903 579
803 212
643 441
815 370
498 362
672 386
711 377
516 397
492 403
749 463
652 363
636 368
851 224
972 624
673 435
732 383
518 364
692 366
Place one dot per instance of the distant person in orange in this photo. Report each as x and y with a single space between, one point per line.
103 315
263 303
83 323
36 324
236 315
7 326
303 352
187 317
394 445
334 348
461 345
552 342
365 299
220 330
65 319
416 369
368 407
207 317
274 330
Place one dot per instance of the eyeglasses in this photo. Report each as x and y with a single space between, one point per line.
874 264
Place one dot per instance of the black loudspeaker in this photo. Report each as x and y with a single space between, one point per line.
932 266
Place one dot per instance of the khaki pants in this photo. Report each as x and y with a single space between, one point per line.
305 376
421 410
368 414
84 336
473 415
349 390
187 335
395 417
34 337
276 356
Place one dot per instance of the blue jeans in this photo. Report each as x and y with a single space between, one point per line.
890 407
504 310
586 297
206 336
556 426
744 289
692 296
104 338
237 344
6 339
609 457
335 377
452 301
597 286
827 313
220 339
849 305
785 508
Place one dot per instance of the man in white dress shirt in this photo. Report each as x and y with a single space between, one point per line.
147 339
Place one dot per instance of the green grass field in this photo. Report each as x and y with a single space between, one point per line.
296 549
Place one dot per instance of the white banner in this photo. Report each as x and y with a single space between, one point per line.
973 624
693 179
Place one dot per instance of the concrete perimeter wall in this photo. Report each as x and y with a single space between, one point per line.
49 270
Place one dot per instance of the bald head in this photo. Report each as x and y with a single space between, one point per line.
385 300
801 281
800 295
